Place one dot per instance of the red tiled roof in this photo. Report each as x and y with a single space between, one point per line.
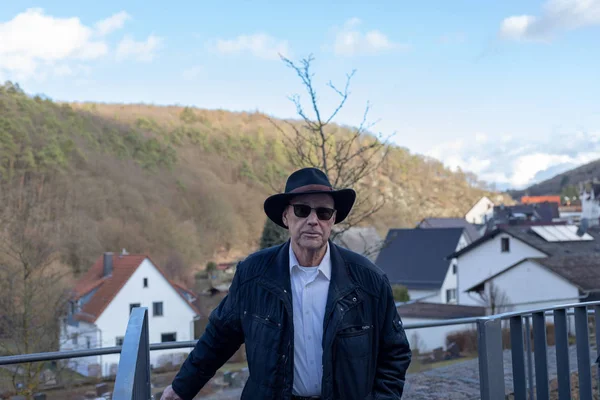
107 287
540 199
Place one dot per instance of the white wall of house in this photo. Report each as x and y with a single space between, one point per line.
81 337
549 290
448 291
590 209
486 260
428 339
481 211
428 296
177 315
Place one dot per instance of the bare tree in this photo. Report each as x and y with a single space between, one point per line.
350 157
33 292
494 298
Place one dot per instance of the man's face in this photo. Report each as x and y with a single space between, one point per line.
310 233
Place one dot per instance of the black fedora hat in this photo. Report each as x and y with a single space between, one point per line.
309 181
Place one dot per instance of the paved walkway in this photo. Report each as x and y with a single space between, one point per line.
459 381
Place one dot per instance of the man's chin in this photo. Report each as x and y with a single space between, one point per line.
312 243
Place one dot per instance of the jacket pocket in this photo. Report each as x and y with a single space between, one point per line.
266 320
352 349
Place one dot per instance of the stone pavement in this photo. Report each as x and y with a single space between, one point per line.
459 381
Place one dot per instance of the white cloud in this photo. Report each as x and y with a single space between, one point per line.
112 23
557 15
191 73
36 46
138 50
32 39
350 41
518 163
259 45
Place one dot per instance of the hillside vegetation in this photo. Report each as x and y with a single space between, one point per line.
181 184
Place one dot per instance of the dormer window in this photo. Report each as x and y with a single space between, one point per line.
505 245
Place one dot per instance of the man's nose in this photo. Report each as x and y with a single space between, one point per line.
312 218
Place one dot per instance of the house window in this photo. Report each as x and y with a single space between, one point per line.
505 245
454 269
450 295
168 337
119 341
75 337
157 309
132 306
88 342
145 282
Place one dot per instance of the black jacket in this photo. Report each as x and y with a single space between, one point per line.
365 350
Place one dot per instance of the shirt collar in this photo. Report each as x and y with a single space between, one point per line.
324 267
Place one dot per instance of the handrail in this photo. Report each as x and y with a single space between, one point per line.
70 354
133 376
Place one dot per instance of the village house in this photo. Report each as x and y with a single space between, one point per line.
416 259
103 300
590 203
362 240
558 280
481 211
507 256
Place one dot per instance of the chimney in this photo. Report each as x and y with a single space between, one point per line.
108 264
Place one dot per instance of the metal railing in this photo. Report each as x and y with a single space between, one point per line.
491 352
133 374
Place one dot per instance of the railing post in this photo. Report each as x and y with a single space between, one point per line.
563 369
541 355
518 358
491 360
583 353
133 375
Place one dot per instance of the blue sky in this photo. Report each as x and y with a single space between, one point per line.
508 90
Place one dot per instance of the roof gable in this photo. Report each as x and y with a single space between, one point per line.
416 258
106 288
582 271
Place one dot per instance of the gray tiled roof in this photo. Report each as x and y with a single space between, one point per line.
416 258
471 231
581 270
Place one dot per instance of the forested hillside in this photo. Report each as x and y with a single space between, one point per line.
565 184
184 185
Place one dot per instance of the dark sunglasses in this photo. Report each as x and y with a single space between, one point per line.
303 211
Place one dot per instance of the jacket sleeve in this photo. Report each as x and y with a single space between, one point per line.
394 350
222 338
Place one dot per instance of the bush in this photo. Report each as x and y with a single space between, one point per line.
400 293
467 339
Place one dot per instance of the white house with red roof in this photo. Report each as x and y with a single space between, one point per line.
103 299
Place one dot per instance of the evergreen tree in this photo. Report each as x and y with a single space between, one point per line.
273 235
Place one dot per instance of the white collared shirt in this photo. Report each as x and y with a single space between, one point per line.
310 286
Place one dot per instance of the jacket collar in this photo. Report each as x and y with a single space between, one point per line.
279 272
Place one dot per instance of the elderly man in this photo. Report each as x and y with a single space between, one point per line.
318 321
